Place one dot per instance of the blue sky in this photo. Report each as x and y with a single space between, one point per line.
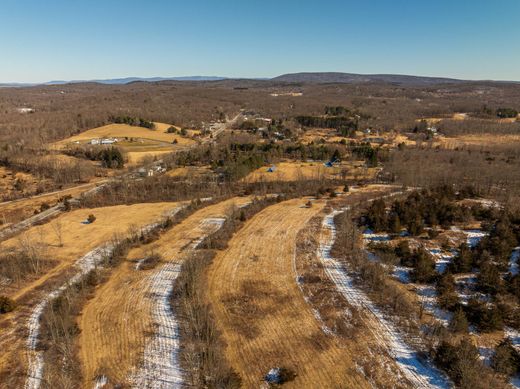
43 40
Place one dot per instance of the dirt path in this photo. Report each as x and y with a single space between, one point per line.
261 311
128 333
418 371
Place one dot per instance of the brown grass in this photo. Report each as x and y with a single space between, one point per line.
263 316
296 171
124 130
77 240
117 321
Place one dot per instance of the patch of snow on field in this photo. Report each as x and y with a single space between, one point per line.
161 368
371 236
418 371
441 260
466 287
402 273
486 354
35 357
514 335
473 237
513 261
428 298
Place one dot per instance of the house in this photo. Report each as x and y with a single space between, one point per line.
94 141
108 141
145 172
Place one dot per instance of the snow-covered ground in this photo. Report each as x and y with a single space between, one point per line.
371 236
473 237
442 260
428 297
161 368
34 356
419 372
513 261
402 273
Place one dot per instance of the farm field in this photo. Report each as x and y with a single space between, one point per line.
77 239
117 322
115 130
136 142
263 316
484 140
16 210
190 172
294 171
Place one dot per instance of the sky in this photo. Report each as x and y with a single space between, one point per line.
43 40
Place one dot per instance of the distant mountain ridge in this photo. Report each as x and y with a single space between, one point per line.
352 78
127 80
298 78
117 81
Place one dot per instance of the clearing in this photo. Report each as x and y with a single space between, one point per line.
126 131
137 142
294 171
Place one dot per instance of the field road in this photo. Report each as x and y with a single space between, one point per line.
263 316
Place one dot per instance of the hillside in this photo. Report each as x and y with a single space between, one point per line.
351 78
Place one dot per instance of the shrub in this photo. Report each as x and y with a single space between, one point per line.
506 359
459 322
91 218
460 362
6 304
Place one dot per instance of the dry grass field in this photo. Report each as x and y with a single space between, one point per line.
10 181
77 240
190 172
117 321
261 311
294 171
14 211
482 140
126 131
137 142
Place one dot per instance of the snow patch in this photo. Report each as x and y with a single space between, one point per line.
35 357
513 261
161 367
419 372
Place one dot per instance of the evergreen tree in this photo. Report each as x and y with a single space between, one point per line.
462 262
506 359
459 322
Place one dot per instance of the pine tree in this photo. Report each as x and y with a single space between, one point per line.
459 322
506 359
